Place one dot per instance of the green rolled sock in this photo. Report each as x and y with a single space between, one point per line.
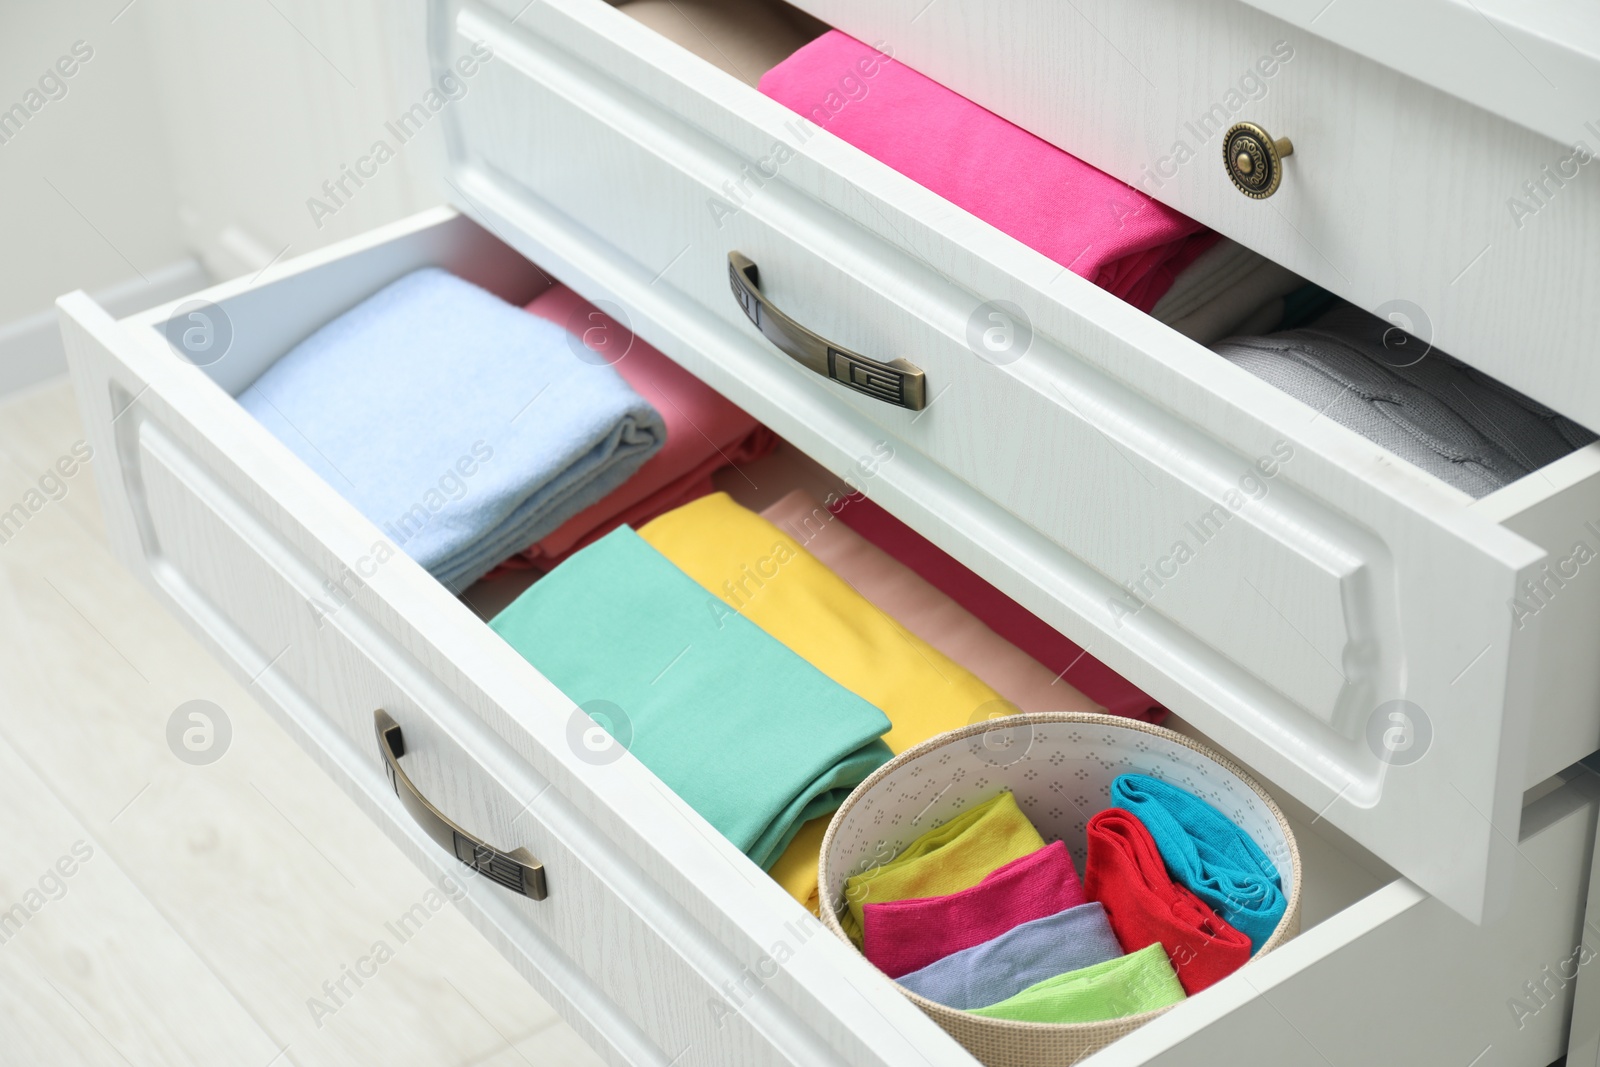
1128 985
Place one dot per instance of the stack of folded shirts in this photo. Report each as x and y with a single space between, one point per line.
1089 222
747 733
761 574
463 427
1431 410
1229 289
979 915
909 599
705 432
1014 623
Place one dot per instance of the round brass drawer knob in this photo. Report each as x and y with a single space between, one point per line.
1254 160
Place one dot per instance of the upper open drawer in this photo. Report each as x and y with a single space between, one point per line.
1323 579
1478 233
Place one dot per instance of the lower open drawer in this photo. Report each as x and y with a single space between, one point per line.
657 939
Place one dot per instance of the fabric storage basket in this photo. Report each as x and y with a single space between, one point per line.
1059 766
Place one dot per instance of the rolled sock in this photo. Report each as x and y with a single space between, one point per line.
418 406
1206 853
1125 873
1000 613
1128 985
1003 966
902 936
947 859
914 603
705 431
749 735
1089 222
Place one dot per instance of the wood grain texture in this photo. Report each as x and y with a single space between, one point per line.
1064 477
219 897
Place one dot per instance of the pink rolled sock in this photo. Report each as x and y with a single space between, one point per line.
901 936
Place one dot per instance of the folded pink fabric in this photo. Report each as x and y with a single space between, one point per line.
906 597
1089 222
901 936
705 432
1013 622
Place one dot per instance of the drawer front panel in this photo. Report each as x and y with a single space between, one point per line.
1232 560
320 641
1480 233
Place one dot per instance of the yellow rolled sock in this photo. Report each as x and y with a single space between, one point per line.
758 571
953 857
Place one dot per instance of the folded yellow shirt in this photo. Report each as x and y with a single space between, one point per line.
761 573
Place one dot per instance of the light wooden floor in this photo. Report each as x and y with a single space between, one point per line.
215 900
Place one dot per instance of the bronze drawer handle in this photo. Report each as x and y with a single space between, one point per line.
1254 159
517 870
896 382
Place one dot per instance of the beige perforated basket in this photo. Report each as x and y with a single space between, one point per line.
1060 766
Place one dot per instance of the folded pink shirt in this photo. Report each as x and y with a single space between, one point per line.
906 597
901 936
1084 219
1013 622
705 432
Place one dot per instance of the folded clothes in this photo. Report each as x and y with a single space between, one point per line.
1124 871
461 426
1433 411
1221 292
947 859
1304 305
1207 854
762 574
705 431
1013 622
1006 965
1084 219
901 936
749 734
1128 985
739 37
914 603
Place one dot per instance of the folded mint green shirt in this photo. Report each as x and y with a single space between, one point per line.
750 735
1128 985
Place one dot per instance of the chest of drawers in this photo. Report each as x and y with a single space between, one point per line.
592 150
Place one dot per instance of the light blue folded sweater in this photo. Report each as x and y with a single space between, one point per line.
1025 955
464 427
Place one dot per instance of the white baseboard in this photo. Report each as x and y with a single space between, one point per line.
30 348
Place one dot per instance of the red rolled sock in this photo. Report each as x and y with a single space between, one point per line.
1124 872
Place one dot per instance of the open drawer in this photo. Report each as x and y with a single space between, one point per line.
1322 579
656 938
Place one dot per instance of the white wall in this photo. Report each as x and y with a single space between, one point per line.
266 101
186 147
112 211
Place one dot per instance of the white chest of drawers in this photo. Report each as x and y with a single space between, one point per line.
595 149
